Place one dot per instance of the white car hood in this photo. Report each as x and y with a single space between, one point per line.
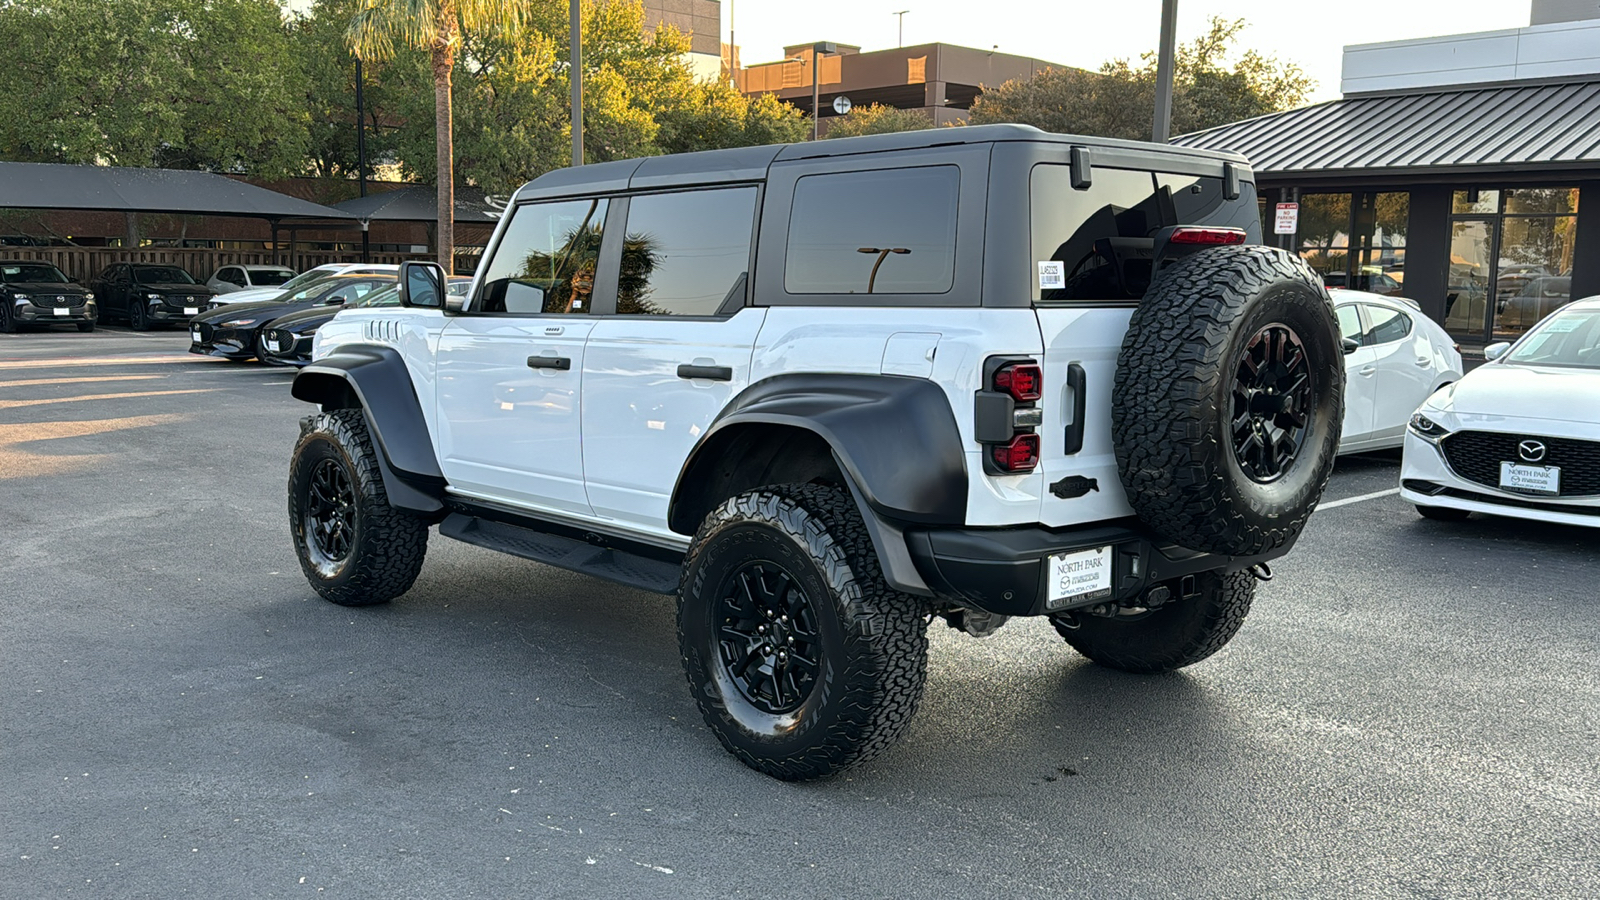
1524 392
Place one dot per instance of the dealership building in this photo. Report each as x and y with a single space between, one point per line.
1462 172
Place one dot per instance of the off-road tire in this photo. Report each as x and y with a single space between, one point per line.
1179 378
85 327
1179 634
138 316
386 546
871 641
1443 513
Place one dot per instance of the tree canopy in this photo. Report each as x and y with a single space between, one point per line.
1119 100
875 118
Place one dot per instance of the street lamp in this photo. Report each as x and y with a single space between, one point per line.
820 47
902 16
576 55
883 253
1164 66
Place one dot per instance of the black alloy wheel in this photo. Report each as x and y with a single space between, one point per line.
138 316
768 640
1272 403
330 521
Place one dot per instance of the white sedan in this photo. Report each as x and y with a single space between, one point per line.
1394 358
328 270
1520 435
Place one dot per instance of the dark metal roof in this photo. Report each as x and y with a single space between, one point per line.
418 203
128 189
1507 127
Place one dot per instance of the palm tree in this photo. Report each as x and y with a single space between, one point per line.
435 26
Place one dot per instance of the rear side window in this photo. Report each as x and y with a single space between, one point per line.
685 254
1100 238
889 231
545 262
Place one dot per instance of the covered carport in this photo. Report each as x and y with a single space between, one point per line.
135 191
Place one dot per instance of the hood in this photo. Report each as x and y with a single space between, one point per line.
250 295
306 320
1525 392
174 289
46 287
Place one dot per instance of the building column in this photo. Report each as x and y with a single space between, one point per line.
1586 247
1428 249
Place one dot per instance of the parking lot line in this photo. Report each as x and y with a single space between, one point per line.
1358 499
59 361
13 404
96 378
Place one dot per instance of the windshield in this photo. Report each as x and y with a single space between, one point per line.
389 296
270 277
161 275
307 277
1570 339
37 272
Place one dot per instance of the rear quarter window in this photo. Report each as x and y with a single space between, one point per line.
886 231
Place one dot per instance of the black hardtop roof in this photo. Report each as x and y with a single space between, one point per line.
751 163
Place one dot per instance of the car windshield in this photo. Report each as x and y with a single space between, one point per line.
161 275
1570 339
389 296
32 272
270 277
307 277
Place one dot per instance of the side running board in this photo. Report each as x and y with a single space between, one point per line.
610 563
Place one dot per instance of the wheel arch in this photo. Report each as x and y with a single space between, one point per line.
375 380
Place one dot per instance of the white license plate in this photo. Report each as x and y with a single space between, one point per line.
1079 577
195 336
273 345
1532 479
62 311
191 310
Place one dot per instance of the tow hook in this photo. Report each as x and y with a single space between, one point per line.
1261 571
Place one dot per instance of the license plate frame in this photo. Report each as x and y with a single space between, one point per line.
1079 576
1521 478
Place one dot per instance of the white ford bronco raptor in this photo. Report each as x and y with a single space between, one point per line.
826 392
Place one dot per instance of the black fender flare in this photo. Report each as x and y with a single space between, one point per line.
375 379
895 439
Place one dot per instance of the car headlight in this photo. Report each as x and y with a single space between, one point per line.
20 298
88 295
1427 429
238 323
152 296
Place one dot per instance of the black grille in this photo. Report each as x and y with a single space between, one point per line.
192 301
53 300
1477 455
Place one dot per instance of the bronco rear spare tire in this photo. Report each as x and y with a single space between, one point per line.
1229 400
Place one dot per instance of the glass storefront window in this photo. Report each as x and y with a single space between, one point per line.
1324 233
1510 260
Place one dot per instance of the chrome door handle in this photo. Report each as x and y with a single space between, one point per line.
1424 362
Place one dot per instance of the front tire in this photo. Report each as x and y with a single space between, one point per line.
1181 633
138 316
8 318
355 549
85 327
803 661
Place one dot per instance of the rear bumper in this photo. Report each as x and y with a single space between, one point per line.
1004 570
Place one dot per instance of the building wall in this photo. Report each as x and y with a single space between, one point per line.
1559 50
701 20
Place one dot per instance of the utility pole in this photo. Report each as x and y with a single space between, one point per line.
1164 66
361 157
902 16
817 50
577 82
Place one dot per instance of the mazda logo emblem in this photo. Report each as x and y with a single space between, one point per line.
1531 451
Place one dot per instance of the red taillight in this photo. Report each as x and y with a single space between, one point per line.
1209 236
1020 455
1023 381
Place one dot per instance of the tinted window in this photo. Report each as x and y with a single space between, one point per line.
231 276
32 272
1387 325
546 260
1349 323
685 253
1101 238
880 232
270 277
161 275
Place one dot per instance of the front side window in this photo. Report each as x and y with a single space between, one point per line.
1350 323
546 261
685 254
890 231
1387 325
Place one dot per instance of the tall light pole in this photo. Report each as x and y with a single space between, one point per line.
576 55
361 156
902 17
1164 65
817 49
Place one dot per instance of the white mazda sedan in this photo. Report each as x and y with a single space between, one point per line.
1520 435
1395 357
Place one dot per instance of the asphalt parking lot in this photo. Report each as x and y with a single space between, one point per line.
1412 709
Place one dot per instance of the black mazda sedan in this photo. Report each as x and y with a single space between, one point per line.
37 293
233 331
286 341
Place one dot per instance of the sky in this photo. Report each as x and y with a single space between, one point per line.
1086 33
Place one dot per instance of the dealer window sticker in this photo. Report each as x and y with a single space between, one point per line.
1052 274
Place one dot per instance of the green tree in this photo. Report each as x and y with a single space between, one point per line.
1119 100
878 119
713 116
208 84
330 75
435 26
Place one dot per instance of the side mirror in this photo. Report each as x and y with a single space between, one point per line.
335 300
1350 345
1495 351
422 285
